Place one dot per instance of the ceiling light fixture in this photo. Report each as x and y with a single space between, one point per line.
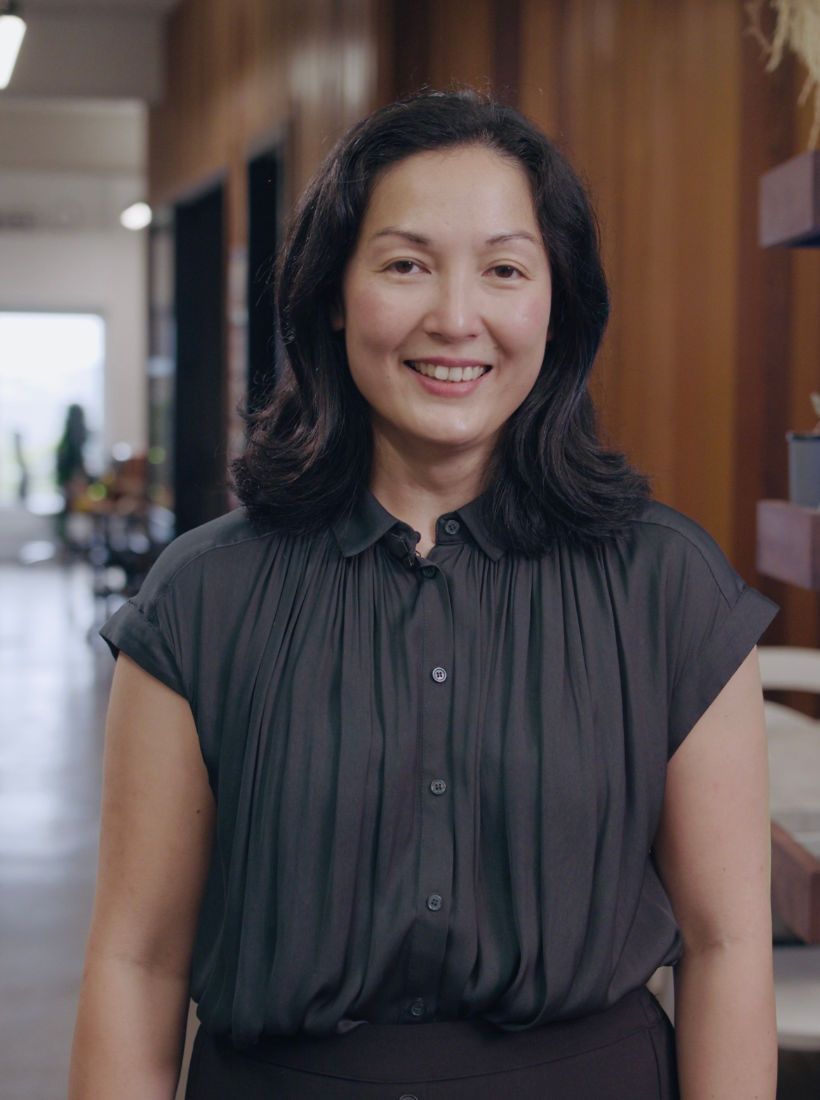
12 32
136 216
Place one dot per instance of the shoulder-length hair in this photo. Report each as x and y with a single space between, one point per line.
309 450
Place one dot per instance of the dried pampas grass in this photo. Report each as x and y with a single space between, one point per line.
798 27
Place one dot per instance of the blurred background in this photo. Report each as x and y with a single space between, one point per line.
129 334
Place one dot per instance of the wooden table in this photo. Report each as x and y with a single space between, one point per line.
796 873
794 780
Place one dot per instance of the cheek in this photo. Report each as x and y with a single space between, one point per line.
374 318
525 337
527 325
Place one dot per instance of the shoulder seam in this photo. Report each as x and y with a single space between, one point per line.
692 543
201 553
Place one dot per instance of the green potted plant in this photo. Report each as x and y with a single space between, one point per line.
804 463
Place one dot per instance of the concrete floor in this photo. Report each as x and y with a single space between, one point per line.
55 675
53 691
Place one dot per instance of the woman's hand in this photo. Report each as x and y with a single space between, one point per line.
713 850
155 842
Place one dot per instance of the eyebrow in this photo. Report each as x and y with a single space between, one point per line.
425 242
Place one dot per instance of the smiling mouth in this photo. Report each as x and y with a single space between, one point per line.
446 374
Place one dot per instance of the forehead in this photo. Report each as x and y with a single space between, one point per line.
467 184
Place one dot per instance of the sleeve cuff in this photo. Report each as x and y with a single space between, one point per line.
129 630
720 659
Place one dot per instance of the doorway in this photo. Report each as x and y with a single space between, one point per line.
50 363
200 475
264 229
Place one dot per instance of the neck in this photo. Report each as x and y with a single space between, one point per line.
418 488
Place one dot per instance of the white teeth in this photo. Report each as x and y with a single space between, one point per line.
448 374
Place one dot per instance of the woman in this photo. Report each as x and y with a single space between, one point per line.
71 475
450 724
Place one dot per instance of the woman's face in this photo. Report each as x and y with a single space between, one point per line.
449 276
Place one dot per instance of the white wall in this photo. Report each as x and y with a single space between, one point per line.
81 135
95 272
92 48
67 168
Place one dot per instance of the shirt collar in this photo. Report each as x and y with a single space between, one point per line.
367 521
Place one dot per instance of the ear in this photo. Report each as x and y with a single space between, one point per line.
337 317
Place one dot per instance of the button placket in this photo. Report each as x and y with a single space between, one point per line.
434 884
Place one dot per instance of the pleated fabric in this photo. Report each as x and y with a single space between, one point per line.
437 778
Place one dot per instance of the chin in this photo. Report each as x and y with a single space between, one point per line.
451 440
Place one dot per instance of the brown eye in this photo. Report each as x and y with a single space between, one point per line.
396 264
505 271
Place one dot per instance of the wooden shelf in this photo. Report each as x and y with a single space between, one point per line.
795 885
788 542
790 203
789 210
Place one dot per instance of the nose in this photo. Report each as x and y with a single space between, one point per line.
455 312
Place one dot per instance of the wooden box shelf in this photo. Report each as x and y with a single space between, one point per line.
788 542
796 884
790 203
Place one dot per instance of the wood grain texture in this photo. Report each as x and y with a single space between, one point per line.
788 543
252 75
461 43
666 111
795 885
305 68
714 343
790 202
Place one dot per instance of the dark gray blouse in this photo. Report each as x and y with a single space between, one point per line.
437 779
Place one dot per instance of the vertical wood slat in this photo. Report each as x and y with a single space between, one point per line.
505 31
802 618
665 109
541 78
697 362
461 43
304 69
407 62
241 69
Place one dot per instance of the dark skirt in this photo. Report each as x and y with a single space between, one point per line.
624 1053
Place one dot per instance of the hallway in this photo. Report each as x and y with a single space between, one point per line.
53 692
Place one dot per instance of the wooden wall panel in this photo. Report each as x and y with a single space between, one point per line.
541 64
302 70
639 355
704 275
799 365
461 46
246 76
665 109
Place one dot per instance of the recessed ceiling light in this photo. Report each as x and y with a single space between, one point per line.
12 32
136 216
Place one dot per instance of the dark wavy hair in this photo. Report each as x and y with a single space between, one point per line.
309 449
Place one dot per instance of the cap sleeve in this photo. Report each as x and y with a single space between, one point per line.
145 626
715 620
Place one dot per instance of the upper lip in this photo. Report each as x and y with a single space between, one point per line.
443 361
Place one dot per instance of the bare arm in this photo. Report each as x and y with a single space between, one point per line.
714 854
157 822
